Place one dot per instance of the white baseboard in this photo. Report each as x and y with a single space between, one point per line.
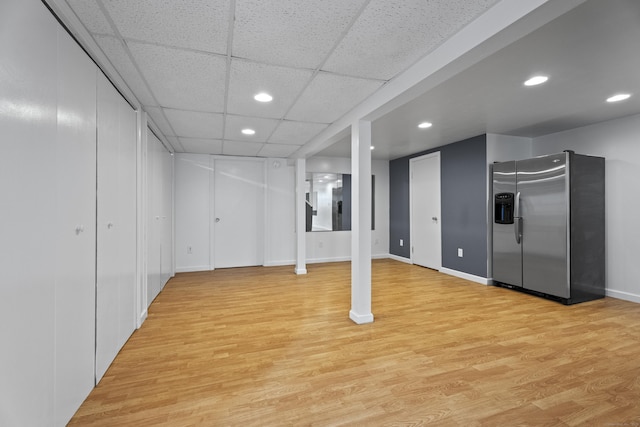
466 276
193 268
279 263
321 260
142 318
300 271
400 258
361 318
627 296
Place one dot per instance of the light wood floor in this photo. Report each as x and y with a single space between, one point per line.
264 347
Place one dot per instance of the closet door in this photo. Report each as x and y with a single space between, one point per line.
75 227
116 218
28 91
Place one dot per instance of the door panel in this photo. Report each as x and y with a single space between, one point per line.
542 183
76 228
425 211
507 253
239 213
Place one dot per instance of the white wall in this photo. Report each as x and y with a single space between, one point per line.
325 246
194 192
616 141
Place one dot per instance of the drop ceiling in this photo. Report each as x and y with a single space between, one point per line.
195 65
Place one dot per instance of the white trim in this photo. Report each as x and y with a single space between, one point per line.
361 319
400 258
279 263
627 296
142 317
466 276
300 271
321 260
193 269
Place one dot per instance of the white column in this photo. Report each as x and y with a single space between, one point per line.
301 218
141 219
361 223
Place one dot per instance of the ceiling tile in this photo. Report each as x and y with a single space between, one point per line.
297 133
117 55
391 36
240 148
182 79
156 115
329 97
194 124
263 128
91 16
250 78
297 33
201 146
277 150
194 24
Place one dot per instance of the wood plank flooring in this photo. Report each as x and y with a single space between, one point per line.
263 347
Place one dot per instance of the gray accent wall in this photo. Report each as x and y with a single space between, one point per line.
463 171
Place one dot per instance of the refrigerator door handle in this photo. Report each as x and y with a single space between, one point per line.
517 223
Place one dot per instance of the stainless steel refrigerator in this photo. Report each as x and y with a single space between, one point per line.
549 226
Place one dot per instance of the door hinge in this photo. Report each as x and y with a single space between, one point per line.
411 249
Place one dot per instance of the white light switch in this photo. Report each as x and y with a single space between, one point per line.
460 252
401 242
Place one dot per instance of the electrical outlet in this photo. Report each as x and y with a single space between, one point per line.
401 242
189 250
460 252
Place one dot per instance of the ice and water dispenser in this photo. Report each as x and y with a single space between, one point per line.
504 203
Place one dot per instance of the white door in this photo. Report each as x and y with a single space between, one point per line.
238 219
426 245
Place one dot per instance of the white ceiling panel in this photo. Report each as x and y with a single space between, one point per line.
201 146
91 16
391 36
297 133
262 127
194 124
296 33
182 79
329 97
193 24
116 53
249 78
173 140
158 118
241 148
277 150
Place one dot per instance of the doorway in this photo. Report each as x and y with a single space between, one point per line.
425 223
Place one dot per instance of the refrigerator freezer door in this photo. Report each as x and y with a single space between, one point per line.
543 187
507 255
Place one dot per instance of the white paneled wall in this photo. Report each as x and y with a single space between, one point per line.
116 225
160 265
69 175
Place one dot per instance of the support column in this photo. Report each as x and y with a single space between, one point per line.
361 223
301 218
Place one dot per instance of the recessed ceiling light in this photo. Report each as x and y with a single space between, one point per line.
373 148
248 131
425 125
263 97
536 80
619 97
